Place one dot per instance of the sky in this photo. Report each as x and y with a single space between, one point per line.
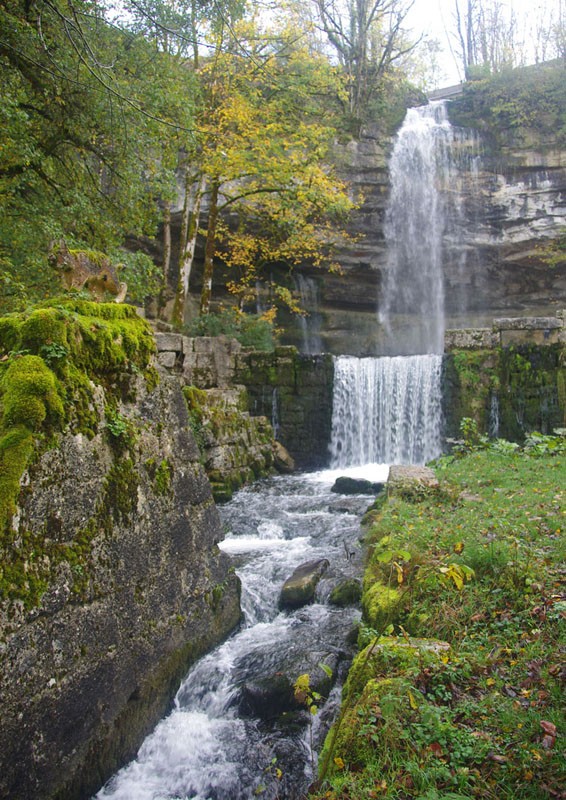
436 17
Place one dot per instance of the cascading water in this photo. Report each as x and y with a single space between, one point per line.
213 746
386 410
424 227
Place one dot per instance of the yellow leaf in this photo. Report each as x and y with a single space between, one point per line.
412 701
399 570
339 762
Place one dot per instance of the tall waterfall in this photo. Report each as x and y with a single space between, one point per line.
423 227
386 410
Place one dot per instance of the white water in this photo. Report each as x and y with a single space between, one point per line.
424 227
386 410
208 748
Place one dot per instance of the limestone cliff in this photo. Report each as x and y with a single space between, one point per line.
111 579
510 205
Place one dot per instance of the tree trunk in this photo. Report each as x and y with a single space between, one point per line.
166 241
194 185
210 249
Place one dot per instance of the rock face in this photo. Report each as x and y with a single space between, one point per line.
86 674
511 206
295 393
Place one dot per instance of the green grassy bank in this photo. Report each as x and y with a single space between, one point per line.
457 691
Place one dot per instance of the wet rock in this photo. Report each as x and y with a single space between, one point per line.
345 485
299 589
273 695
283 460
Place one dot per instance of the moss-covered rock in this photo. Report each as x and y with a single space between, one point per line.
111 585
524 383
389 656
300 587
51 357
381 604
346 593
236 448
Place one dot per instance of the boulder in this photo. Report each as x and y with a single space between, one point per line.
270 695
299 589
347 593
411 482
345 485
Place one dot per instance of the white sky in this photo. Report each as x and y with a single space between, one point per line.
436 17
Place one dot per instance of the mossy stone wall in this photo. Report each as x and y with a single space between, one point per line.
522 385
294 392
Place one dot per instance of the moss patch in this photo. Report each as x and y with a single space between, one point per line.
527 380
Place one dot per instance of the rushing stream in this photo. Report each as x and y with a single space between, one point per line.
211 746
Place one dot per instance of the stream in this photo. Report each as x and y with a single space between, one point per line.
216 744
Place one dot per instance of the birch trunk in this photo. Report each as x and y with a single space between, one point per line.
166 241
209 250
194 187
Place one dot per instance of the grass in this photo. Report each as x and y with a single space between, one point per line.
478 563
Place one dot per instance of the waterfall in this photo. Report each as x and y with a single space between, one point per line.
424 227
493 420
386 410
311 322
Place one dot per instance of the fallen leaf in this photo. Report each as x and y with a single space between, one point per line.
497 758
548 727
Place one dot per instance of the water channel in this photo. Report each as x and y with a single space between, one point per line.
212 745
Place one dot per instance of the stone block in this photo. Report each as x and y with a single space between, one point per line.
527 323
470 339
169 341
167 359
531 336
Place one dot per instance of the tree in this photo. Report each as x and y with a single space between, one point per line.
368 39
489 36
263 158
82 155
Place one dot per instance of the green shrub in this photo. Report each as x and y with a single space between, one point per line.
251 330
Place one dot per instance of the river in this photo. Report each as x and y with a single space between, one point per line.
216 744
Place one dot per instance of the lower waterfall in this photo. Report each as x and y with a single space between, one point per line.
386 410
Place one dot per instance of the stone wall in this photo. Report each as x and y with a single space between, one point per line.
289 391
295 392
510 378
142 592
